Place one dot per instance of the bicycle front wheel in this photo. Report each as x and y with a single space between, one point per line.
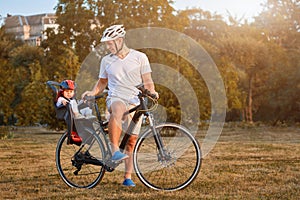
80 166
183 160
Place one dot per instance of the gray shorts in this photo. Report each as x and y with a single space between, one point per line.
128 117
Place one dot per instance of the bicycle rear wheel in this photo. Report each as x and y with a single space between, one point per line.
179 169
79 166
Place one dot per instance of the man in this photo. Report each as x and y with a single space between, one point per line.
121 71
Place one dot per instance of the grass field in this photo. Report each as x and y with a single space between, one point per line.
252 163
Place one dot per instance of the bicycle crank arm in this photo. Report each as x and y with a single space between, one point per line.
93 161
110 166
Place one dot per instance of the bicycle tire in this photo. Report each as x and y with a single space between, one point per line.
89 175
180 170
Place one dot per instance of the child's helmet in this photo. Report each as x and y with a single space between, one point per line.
67 85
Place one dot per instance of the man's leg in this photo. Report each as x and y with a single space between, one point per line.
129 151
129 162
115 128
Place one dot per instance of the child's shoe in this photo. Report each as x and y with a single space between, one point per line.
75 139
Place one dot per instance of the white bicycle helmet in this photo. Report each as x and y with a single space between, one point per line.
113 32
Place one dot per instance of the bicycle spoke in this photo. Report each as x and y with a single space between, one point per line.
71 165
175 171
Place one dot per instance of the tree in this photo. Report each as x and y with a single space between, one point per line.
7 91
207 29
281 95
137 13
204 25
7 43
15 60
26 62
82 22
250 55
61 63
78 28
280 21
31 109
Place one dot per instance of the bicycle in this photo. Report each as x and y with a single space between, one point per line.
166 156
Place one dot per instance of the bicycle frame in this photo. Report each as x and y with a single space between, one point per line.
140 110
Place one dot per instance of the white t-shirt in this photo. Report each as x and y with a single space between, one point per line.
124 74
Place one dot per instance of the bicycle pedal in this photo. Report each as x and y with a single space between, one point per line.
111 166
117 162
109 169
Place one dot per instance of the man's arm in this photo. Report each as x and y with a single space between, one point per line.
148 83
98 88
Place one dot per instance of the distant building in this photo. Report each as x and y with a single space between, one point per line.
30 28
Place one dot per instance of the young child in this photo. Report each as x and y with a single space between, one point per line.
67 94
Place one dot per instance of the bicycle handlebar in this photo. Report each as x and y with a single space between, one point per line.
91 98
145 92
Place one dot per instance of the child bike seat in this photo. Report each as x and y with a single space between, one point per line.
61 111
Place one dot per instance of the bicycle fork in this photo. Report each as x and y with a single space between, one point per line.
163 155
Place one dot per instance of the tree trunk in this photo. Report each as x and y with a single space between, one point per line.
249 106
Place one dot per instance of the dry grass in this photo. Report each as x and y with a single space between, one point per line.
257 163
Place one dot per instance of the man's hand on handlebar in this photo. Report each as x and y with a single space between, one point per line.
87 93
145 91
155 95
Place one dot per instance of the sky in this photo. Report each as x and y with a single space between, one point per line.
237 8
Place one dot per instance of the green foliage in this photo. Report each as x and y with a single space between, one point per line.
7 75
62 63
138 13
77 28
249 55
280 21
24 55
33 98
7 90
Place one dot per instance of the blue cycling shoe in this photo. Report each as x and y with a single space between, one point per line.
128 182
118 156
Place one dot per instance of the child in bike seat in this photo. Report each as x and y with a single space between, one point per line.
66 95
